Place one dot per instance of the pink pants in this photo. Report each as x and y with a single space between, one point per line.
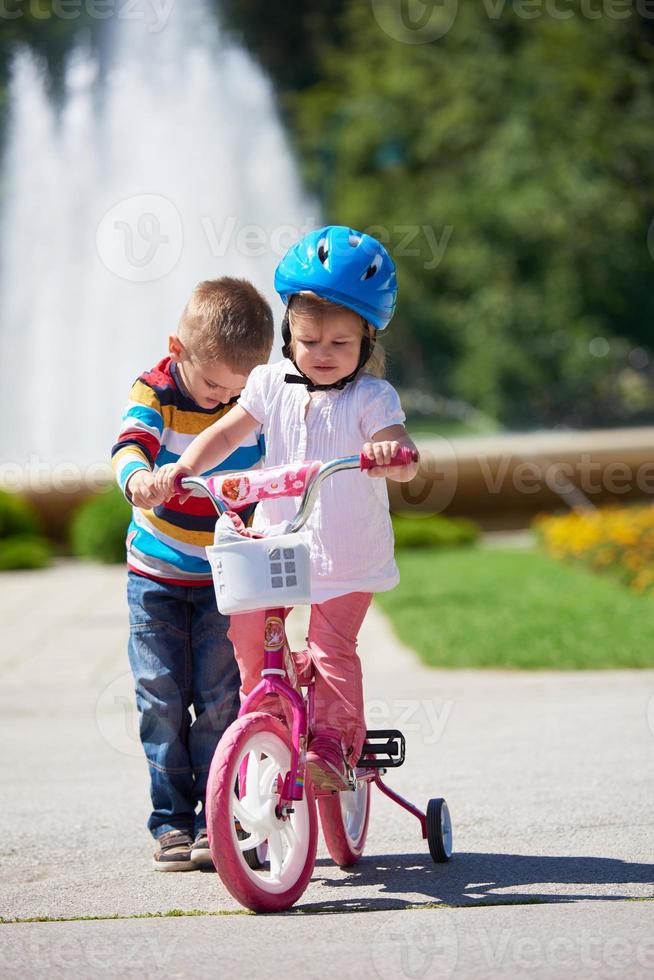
331 646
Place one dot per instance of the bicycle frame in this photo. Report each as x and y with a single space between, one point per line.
274 677
274 681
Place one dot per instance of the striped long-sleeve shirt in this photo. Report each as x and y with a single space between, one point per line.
167 543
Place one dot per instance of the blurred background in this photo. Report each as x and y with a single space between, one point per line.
502 149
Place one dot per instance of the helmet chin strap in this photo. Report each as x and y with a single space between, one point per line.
367 347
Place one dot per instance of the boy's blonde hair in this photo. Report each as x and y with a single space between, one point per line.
308 306
227 320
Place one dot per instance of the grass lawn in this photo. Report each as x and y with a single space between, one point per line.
518 609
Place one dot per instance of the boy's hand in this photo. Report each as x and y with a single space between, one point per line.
166 480
143 490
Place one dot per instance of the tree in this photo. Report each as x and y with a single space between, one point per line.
527 143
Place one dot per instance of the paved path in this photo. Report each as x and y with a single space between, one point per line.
549 777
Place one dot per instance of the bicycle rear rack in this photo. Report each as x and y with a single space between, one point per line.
383 748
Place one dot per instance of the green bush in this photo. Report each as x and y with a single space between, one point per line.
22 551
99 527
20 543
433 531
17 517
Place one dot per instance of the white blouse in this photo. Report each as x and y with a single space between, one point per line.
350 526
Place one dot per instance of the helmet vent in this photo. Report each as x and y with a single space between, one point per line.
372 268
323 251
354 240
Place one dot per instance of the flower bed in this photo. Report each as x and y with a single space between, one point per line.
619 541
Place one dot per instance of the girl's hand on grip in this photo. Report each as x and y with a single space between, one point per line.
382 453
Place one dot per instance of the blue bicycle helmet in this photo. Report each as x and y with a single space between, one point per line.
344 266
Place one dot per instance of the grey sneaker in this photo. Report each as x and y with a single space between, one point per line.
200 853
173 852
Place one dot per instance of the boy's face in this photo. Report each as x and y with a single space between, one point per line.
327 347
210 383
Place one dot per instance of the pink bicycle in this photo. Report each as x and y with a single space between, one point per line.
261 812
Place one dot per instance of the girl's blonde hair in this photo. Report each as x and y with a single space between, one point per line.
308 306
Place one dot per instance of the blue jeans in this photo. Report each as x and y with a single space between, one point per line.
180 656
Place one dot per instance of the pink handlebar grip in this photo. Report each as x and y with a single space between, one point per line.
178 482
403 457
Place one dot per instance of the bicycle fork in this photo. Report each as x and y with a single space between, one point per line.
274 681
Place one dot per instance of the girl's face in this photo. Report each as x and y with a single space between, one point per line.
327 347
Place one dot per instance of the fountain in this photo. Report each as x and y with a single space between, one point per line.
169 168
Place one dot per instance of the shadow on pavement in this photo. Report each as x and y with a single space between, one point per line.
474 878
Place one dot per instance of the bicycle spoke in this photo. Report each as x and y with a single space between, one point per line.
254 840
289 833
268 769
275 853
243 815
252 788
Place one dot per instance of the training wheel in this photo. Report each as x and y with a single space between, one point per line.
439 830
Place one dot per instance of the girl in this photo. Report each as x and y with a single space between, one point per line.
340 289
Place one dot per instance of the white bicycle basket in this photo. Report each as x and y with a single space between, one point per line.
259 573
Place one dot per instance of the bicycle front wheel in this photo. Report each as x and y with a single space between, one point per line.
344 818
241 819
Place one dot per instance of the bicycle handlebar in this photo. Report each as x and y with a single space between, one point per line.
404 457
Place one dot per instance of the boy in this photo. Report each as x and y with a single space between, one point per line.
178 647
